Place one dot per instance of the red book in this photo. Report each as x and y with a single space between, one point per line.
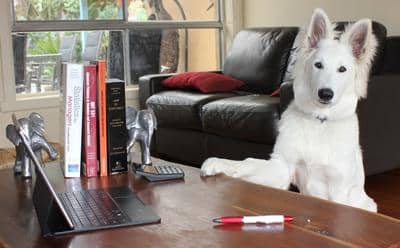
89 135
101 88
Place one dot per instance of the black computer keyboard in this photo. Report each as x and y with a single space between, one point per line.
92 208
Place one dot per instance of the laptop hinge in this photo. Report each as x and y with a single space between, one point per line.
49 214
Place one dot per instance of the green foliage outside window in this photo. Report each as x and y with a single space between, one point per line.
39 10
32 10
104 9
48 43
43 43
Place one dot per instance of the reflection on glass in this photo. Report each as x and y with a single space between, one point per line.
154 51
138 10
38 56
164 10
46 10
270 228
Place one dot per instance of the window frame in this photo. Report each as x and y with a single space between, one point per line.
11 101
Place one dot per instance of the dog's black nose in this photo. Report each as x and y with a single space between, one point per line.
325 94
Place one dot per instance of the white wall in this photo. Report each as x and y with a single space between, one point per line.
298 12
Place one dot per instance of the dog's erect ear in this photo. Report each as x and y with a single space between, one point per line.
363 44
320 28
361 39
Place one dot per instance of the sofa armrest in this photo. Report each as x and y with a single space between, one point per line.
151 84
286 95
379 123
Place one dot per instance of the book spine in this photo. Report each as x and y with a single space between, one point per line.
116 127
90 122
102 117
72 118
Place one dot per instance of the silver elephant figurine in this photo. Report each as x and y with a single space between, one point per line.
140 125
34 127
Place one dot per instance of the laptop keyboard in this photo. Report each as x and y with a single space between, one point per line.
92 208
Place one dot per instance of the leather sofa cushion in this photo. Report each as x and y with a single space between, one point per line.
225 147
181 145
180 109
251 117
259 56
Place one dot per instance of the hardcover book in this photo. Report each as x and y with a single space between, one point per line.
71 117
101 100
116 126
89 137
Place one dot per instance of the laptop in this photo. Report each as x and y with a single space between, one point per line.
85 210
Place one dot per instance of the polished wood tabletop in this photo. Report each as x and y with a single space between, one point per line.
187 207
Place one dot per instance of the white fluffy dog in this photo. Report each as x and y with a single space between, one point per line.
317 148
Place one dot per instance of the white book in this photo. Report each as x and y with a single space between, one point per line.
71 118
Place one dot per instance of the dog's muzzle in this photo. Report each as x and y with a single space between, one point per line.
325 95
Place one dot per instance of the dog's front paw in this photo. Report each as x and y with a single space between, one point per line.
214 166
370 205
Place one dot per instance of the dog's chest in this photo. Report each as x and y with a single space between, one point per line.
308 138
320 143
314 142
310 181
320 151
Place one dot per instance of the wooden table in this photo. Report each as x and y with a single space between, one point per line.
186 209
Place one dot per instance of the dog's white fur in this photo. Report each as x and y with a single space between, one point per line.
317 148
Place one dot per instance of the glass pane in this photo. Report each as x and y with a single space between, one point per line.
38 56
164 10
172 50
46 10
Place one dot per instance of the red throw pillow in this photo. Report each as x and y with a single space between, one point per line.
206 82
180 80
276 93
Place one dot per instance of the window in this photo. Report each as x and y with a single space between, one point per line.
135 37
38 56
172 10
51 10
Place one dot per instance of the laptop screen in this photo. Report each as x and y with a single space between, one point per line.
44 196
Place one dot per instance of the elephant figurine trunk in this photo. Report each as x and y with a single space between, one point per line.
34 127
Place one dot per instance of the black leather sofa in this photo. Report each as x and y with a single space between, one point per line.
193 126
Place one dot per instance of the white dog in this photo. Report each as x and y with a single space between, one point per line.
317 148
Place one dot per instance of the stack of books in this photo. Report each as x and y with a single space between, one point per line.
94 133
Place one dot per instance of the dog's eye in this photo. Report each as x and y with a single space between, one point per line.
342 69
318 65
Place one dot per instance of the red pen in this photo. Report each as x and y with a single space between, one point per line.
265 219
